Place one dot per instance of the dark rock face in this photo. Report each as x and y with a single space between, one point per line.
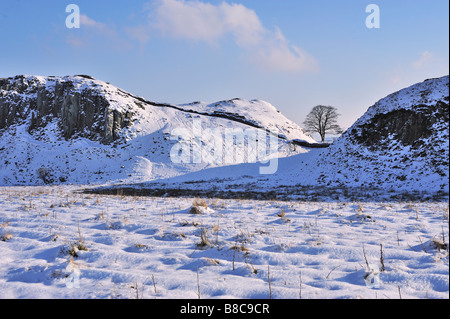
409 127
401 142
84 112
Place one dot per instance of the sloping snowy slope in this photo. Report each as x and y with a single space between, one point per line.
400 143
78 130
83 131
397 149
255 112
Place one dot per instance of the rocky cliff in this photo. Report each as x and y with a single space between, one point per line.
76 129
80 103
401 142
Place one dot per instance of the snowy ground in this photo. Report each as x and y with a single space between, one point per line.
144 247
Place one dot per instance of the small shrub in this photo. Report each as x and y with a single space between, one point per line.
199 206
213 261
282 215
195 210
141 246
6 236
76 247
439 243
445 215
204 241
4 224
240 248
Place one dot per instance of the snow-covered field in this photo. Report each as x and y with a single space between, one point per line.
53 238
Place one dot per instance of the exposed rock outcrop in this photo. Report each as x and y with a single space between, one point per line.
80 105
79 130
401 142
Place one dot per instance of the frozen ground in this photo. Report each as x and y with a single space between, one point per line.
145 247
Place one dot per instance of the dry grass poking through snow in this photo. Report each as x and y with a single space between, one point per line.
129 247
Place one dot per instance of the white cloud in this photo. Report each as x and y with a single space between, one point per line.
139 33
199 21
93 32
278 55
425 59
98 27
189 20
204 22
243 23
76 41
423 66
86 21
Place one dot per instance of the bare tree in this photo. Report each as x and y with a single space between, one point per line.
322 119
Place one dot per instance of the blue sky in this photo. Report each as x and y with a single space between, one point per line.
293 54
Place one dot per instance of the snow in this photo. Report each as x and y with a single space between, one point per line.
260 113
319 226
353 164
427 92
313 250
143 153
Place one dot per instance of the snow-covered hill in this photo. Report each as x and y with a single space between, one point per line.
79 130
398 149
400 143
266 116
